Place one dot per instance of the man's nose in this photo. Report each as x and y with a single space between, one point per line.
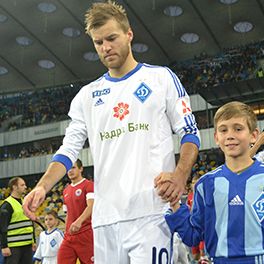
106 46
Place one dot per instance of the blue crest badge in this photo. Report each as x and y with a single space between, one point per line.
142 92
53 242
258 207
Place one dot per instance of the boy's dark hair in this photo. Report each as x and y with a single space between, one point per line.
53 213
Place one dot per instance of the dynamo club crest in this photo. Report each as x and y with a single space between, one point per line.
142 92
258 207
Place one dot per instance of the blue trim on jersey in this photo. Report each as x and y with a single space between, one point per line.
152 66
180 89
191 138
63 160
55 229
112 79
190 124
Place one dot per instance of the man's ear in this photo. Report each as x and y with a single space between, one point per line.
130 35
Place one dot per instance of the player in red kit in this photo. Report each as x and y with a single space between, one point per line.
78 203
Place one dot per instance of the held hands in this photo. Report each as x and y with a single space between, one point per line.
6 252
32 201
170 186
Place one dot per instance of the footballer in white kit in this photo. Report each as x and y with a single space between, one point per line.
130 122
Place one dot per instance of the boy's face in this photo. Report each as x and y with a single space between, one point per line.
112 44
50 221
234 138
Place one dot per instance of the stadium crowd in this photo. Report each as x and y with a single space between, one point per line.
31 108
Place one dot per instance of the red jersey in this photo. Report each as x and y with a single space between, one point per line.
74 199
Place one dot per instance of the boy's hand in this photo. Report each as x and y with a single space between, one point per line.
175 207
170 186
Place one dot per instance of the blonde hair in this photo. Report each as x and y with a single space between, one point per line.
236 109
100 13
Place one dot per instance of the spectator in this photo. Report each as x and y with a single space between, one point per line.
16 230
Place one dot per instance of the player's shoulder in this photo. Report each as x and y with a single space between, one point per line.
88 182
66 187
259 166
211 174
59 232
161 71
156 68
86 88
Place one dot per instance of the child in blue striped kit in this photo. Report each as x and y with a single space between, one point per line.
228 208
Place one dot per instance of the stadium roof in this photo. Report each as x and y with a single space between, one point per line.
42 42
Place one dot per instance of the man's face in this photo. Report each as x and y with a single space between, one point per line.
21 187
112 44
75 173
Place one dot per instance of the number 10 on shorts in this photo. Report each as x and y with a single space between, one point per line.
160 256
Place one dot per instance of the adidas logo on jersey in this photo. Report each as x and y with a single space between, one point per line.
99 102
236 201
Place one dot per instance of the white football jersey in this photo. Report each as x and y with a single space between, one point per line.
48 247
129 122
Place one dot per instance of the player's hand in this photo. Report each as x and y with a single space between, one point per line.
171 186
32 201
6 252
75 226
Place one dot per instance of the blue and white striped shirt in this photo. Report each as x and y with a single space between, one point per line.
228 213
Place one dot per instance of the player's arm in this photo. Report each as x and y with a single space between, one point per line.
171 185
257 145
74 139
183 123
33 200
76 225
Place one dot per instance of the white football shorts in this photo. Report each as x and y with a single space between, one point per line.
145 240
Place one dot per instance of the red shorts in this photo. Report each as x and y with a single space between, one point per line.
77 246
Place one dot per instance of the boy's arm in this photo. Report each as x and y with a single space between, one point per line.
189 225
